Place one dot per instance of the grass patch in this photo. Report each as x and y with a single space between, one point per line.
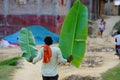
11 62
112 74
7 67
6 71
117 26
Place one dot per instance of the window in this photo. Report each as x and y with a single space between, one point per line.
21 2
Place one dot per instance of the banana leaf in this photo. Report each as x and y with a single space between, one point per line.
27 44
74 33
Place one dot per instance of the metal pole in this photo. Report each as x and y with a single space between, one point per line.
119 10
108 8
90 6
5 7
5 10
38 7
56 7
68 5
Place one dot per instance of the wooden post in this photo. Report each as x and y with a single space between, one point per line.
119 10
62 2
95 9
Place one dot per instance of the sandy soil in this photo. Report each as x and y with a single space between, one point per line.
32 71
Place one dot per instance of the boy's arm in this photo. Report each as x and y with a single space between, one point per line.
37 58
61 59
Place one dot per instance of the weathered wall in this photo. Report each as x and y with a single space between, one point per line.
47 7
113 9
25 15
16 22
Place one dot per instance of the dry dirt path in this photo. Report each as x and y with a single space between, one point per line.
32 71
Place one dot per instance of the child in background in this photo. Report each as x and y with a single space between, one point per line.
101 28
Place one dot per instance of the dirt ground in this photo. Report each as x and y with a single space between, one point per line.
102 47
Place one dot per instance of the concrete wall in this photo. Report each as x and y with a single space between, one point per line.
48 7
26 15
113 9
19 16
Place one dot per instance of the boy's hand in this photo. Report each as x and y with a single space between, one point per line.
31 59
70 58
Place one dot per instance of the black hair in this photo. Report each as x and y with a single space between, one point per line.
48 40
102 20
58 17
118 32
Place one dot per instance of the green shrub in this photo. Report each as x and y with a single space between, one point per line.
6 71
11 62
7 67
117 26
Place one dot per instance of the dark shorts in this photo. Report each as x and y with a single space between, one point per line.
50 78
117 49
101 31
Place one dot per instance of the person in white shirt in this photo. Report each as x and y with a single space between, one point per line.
4 43
101 28
51 56
103 22
117 40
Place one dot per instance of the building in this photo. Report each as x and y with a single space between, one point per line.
111 8
15 14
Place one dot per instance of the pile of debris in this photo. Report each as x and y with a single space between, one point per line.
92 28
78 77
92 61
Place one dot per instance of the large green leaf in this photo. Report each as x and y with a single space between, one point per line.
27 43
74 33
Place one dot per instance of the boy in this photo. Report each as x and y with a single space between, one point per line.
51 56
